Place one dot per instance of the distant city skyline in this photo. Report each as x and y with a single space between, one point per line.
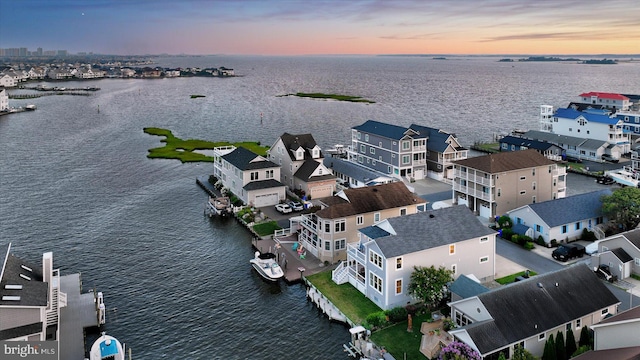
298 27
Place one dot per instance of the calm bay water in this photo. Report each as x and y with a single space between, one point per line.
75 180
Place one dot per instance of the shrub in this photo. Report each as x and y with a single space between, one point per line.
529 245
588 235
507 234
448 324
504 221
212 179
397 314
540 241
581 350
377 319
554 243
458 350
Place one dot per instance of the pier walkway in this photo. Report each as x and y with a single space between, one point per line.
80 313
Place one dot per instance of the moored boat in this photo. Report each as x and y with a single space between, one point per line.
267 266
107 347
220 206
626 176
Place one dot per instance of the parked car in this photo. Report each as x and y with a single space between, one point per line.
568 251
296 206
604 272
283 208
574 159
591 248
607 157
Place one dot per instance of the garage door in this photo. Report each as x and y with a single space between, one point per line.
485 211
266 200
462 201
321 191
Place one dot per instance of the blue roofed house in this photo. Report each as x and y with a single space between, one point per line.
380 264
251 177
527 312
562 219
442 149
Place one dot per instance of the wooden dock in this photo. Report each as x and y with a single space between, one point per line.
80 313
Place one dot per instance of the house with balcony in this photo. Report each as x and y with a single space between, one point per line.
443 149
621 252
380 264
302 168
527 312
30 298
251 177
552 219
326 233
493 184
610 101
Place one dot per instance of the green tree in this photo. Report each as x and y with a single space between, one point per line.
623 206
501 357
571 343
549 349
520 353
429 284
585 337
561 350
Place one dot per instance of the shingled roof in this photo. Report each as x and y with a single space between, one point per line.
244 159
437 139
385 130
15 271
306 170
293 142
506 161
429 229
526 308
583 206
369 199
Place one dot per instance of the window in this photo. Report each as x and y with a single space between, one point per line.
359 220
327 226
568 327
373 162
375 258
376 217
398 263
533 172
499 191
578 324
406 145
461 319
327 245
636 261
398 286
538 228
578 226
375 282
605 311
452 249
523 177
484 239
340 225
403 211
363 149
484 259
366 137
380 143
533 184
359 136
564 229
406 159
541 337
372 150
522 192
533 199
360 159
340 244
454 269
268 174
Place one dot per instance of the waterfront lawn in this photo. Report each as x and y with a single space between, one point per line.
266 228
345 297
398 342
183 150
511 278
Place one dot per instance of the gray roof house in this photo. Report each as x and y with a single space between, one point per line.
621 252
618 331
525 313
249 176
515 143
552 220
581 148
381 263
354 175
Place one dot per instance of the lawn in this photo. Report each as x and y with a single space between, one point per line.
400 343
511 278
345 297
266 228
183 150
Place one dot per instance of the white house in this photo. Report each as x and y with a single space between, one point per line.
7 80
4 100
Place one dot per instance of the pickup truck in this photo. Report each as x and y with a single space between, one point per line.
568 251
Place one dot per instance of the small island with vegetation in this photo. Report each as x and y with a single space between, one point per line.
600 62
547 58
197 96
331 96
186 150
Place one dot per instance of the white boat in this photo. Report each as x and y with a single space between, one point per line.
220 206
108 348
266 265
625 176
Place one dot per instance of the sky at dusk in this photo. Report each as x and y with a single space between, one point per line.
305 27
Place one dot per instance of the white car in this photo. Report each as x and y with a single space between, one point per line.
592 248
283 208
296 206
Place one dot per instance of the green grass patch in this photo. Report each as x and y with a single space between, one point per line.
348 299
332 96
511 278
637 277
266 228
486 147
183 150
398 342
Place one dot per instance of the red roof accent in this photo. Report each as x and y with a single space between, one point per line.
605 95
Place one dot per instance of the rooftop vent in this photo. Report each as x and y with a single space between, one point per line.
26 268
540 285
13 287
25 277
431 216
10 298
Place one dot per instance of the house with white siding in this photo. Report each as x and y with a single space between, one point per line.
4 100
380 264
621 252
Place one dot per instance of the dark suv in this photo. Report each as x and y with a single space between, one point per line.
568 251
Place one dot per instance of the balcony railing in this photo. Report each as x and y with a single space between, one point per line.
479 194
355 253
473 178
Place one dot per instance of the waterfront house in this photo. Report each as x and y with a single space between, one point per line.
442 149
576 147
7 81
493 184
380 264
351 174
30 298
327 232
37 73
611 101
516 143
621 252
302 165
4 100
526 313
251 177
562 219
